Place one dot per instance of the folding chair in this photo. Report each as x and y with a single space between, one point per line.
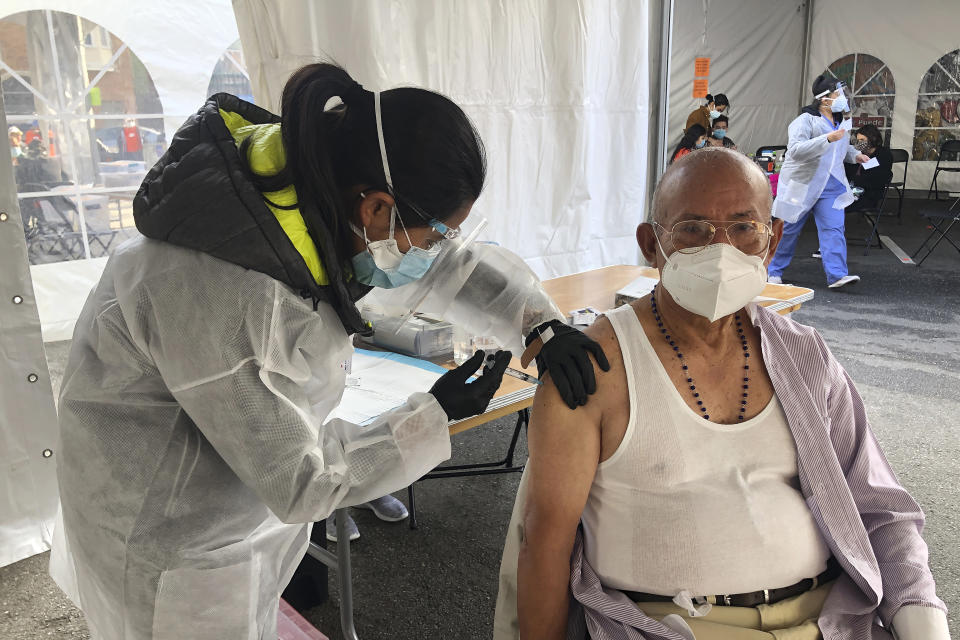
942 222
900 155
48 233
872 215
951 147
56 209
769 148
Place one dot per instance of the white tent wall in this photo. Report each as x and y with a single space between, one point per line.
179 43
559 92
909 37
28 421
755 50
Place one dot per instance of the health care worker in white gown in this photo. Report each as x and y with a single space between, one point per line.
192 412
813 182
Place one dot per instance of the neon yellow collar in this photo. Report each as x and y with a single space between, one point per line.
267 158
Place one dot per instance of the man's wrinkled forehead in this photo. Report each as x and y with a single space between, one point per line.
719 184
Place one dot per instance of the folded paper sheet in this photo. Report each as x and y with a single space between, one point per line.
380 381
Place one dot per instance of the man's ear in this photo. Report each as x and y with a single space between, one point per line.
373 210
777 225
647 239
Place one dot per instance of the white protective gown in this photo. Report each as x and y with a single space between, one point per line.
194 445
810 161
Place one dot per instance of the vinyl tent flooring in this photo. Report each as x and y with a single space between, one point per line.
897 333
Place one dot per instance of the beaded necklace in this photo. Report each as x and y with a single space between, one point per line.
686 369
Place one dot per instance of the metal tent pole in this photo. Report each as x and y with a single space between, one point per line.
805 68
663 106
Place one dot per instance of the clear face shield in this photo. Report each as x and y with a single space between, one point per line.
842 98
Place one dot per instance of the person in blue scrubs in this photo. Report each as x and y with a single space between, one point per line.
813 182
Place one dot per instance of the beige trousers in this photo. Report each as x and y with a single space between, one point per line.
791 619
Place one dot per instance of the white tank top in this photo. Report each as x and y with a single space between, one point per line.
684 503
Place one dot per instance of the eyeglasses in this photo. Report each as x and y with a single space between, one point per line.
448 233
749 236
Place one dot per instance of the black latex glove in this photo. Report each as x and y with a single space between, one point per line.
461 399
567 357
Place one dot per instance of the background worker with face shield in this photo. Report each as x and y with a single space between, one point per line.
208 357
813 182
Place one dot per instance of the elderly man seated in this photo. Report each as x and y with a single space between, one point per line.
725 483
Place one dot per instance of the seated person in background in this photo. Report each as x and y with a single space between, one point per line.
35 168
703 115
719 136
872 181
695 137
726 463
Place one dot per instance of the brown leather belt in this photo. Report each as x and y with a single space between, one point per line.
764 596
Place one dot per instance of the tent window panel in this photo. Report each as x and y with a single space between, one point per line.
77 94
938 107
873 88
864 74
867 68
230 75
844 69
880 83
17 99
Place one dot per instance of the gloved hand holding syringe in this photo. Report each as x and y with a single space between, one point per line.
515 373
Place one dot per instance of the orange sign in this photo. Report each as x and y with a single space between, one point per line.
701 67
700 88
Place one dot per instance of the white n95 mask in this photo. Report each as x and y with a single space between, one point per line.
714 282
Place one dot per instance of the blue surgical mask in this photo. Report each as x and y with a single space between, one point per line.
839 104
701 144
383 265
414 264
719 134
714 114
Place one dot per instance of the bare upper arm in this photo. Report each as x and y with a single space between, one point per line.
567 445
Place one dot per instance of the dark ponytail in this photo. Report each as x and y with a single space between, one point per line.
436 157
719 100
306 127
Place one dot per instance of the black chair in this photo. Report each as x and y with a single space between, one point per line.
50 231
900 155
949 147
49 236
942 222
763 151
872 216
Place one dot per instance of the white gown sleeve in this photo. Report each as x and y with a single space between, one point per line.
802 144
258 370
